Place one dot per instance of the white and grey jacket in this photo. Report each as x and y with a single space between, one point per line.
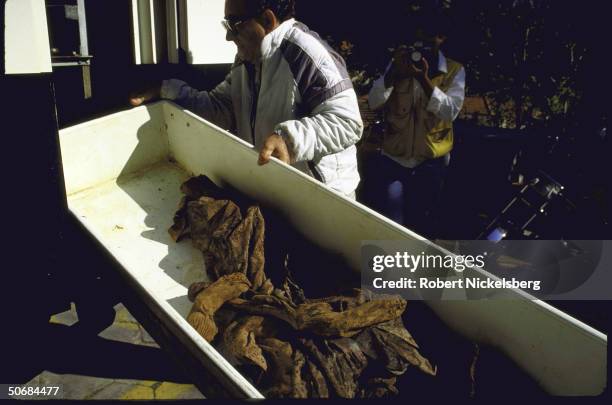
301 91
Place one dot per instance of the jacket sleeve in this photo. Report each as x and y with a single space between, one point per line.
214 105
447 105
333 125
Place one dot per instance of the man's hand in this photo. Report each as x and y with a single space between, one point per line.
404 69
274 145
422 75
419 72
140 97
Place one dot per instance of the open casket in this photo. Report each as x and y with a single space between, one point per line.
123 174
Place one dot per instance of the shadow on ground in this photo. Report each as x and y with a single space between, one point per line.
65 349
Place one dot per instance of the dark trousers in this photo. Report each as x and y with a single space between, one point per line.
408 196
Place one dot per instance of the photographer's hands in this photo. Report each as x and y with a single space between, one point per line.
402 69
422 76
418 72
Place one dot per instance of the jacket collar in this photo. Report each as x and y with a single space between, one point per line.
442 64
441 68
273 40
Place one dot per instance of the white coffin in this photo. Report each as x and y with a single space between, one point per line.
122 175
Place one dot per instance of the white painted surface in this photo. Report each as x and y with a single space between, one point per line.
564 355
118 144
27 48
205 37
124 191
132 215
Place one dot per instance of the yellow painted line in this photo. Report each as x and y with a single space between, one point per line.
168 390
139 392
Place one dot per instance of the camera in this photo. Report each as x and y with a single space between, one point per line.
417 51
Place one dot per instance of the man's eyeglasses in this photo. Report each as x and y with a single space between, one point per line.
231 23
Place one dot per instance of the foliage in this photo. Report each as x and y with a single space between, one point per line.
524 56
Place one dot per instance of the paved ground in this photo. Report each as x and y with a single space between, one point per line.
125 330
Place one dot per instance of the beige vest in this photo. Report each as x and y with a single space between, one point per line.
412 132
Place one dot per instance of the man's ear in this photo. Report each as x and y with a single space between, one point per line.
269 20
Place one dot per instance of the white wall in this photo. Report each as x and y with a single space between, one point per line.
200 32
206 42
27 48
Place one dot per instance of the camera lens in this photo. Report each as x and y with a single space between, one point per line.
416 56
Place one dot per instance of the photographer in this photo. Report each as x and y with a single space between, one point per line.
422 93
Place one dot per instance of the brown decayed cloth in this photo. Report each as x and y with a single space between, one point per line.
352 345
